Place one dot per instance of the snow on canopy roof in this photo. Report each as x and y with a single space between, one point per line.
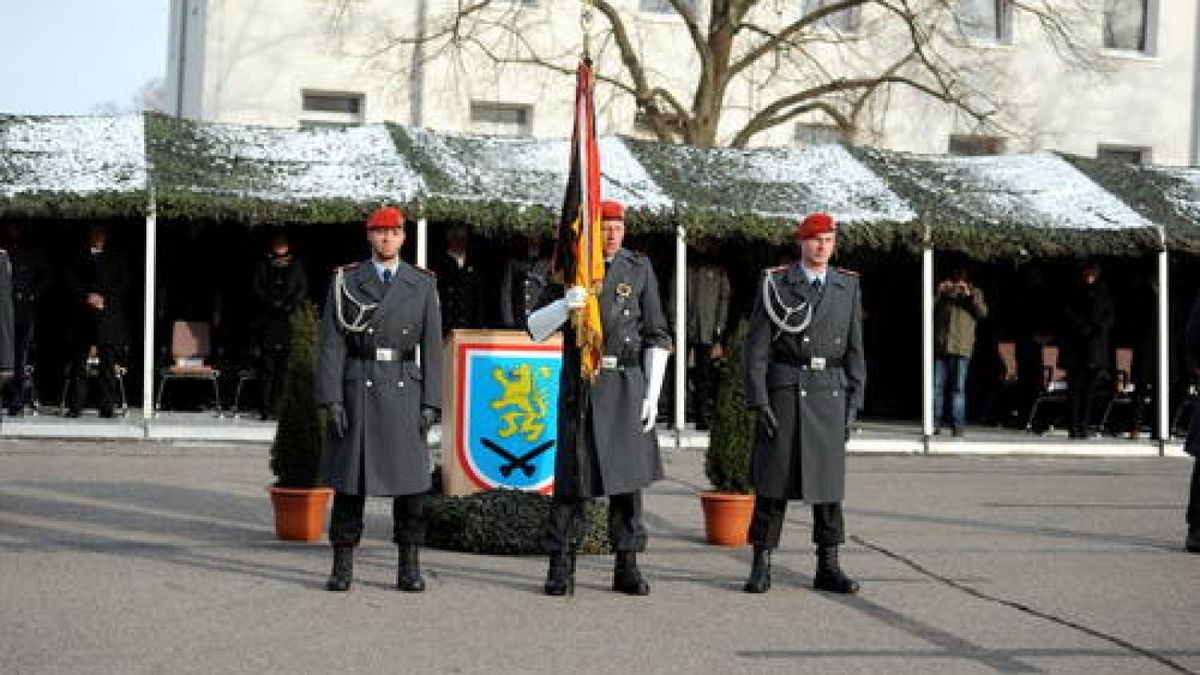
774 182
1038 190
358 164
72 155
522 171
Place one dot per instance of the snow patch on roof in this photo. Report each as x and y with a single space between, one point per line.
1184 194
1040 189
354 163
529 171
74 155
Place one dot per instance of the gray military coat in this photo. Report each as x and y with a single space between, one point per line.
602 449
383 452
806 458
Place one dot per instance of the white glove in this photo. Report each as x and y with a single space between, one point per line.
545 321
576 297
654 360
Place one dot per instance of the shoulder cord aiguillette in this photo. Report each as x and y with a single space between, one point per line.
362 319
771 293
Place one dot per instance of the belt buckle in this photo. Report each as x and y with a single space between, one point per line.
385 354
817 363
608 362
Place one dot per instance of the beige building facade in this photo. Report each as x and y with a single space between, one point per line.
1127 89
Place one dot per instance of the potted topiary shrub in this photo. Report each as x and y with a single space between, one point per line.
298 497
728 507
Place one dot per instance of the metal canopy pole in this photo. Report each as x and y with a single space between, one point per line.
148 309
927 339
681 345
422 242
1164 344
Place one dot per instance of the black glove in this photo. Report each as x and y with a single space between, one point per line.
335 420
428 418
767 417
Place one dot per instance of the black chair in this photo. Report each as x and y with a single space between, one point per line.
91 371
1052 388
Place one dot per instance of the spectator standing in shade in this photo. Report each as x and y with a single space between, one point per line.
30 281
524 278
460 283
98 281
1089 318
957 310
280 285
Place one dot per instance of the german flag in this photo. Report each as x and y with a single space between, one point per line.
579 251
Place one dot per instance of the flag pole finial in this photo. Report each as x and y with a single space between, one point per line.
586 16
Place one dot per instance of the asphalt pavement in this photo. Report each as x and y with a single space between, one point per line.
144 557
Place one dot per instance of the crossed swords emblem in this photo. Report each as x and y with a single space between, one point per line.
523 462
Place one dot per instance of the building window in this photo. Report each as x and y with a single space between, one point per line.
847 20
985 19
818 134
664 6
973 145
332 109
1127 154
501 119
1129 25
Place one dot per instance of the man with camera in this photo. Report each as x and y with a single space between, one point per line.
956 312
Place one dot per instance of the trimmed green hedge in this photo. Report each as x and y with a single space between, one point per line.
506 522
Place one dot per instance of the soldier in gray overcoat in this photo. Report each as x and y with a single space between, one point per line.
606 440
805 374
379 379
1191 344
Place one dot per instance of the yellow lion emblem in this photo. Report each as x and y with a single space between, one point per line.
520 391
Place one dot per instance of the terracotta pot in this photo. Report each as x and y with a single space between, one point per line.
727 517
300 512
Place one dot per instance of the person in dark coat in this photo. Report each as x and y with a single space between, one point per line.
460 283
805 374
7 346
1089 317
98 282
606 439
379 377
279 284
525 277
30 282
1191 344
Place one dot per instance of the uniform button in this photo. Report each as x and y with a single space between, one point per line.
400 384
837 340
803 392
627 339
626 312
370 331
806 338
404 331
370 383
835 394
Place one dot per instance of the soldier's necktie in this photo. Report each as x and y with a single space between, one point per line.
816 284
387 277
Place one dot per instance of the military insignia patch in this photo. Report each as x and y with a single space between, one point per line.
624 290
508 416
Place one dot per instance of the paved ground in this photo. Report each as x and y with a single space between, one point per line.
135 557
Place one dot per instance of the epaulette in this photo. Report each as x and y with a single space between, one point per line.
425 271
777 268
346 268
849 273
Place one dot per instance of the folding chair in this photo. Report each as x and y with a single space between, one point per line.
1123 391
1053 386
91 370
190 352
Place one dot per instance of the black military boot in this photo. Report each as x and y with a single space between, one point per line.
830 576
760 571
408 577
1192 544
560 577
627 578
343 569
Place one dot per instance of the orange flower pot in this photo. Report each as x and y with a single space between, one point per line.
727 517
300 512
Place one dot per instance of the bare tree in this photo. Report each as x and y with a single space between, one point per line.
150 96
834 61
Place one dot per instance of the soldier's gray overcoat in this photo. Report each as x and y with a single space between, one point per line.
383 451
602 449
806 459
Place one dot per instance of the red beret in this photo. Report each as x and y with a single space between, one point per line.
610 210
386 216
814 224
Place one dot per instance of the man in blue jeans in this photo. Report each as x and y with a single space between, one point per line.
957 310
